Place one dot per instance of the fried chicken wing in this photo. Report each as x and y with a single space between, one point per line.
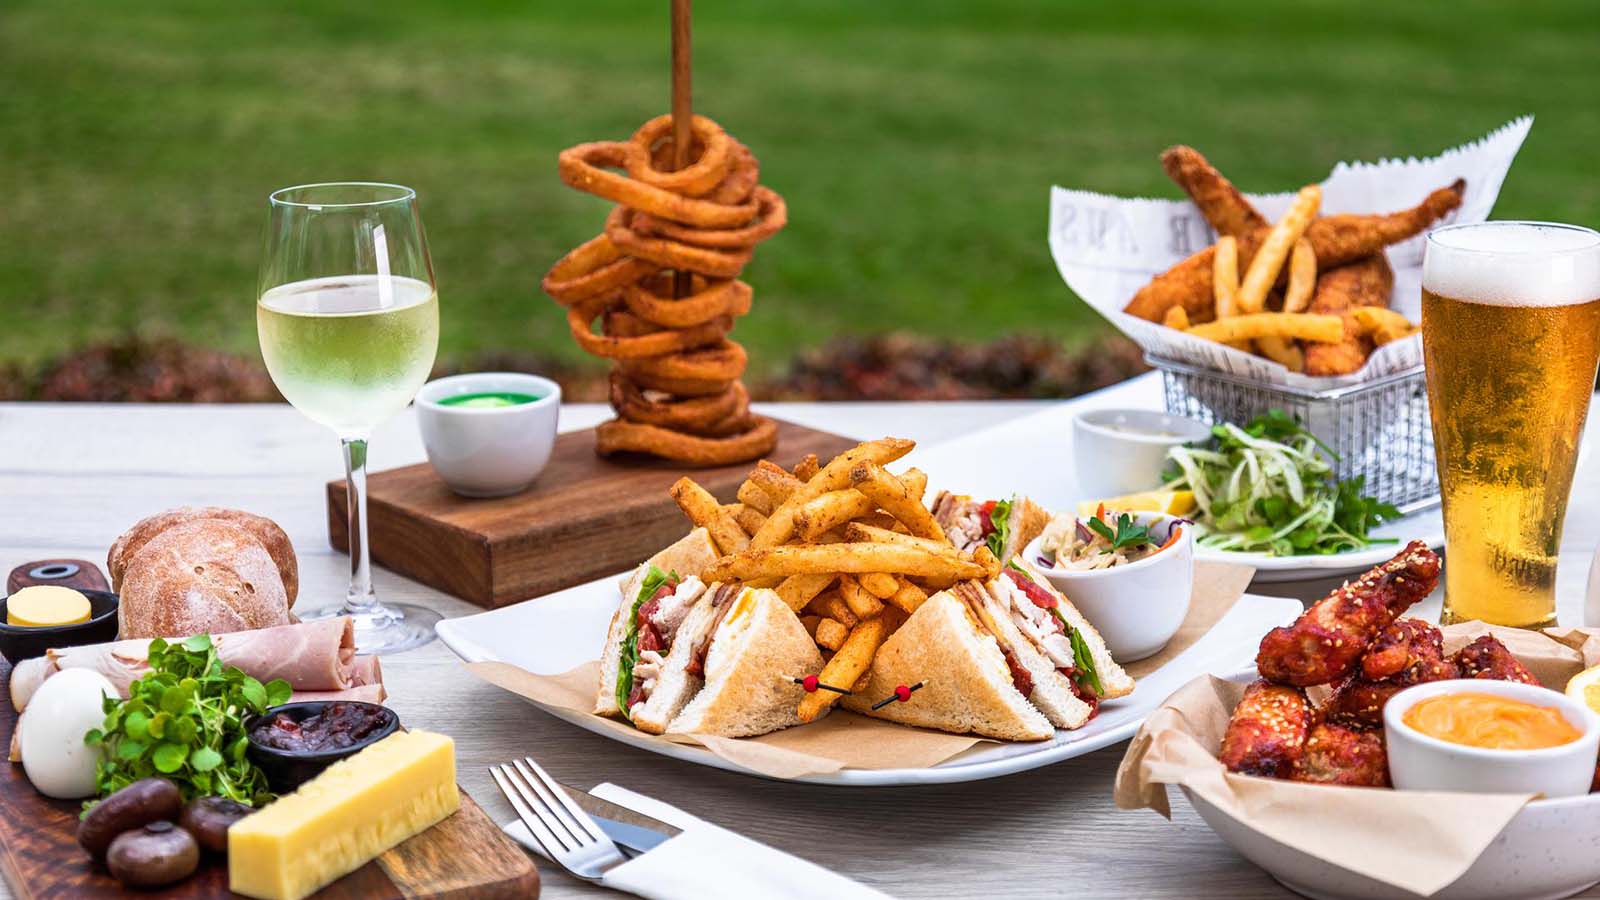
1340 291
1487 658
1220 202
1408 652
1328 640
1267 731
1348 237
1338 755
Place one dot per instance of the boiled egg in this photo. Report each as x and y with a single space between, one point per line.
50 733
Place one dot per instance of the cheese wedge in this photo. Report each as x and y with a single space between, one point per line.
345 817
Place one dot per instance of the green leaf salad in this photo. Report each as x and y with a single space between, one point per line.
1268 488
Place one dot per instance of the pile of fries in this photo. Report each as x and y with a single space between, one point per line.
849 546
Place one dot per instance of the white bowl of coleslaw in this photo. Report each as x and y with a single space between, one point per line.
1136 596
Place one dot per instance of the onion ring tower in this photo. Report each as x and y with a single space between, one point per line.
663 280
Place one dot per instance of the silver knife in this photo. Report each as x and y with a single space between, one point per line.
630 830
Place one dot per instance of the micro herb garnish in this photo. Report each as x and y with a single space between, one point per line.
1269 488
1129 533
184 721
653 580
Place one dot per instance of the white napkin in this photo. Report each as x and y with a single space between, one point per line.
706 862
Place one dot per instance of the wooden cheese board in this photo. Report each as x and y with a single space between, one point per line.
586 517
465 857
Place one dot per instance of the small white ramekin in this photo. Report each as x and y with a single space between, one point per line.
1124 451
1136 607
491 451
1418 762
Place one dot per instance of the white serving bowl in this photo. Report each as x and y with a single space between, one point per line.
1137 607
489 451
1123 451
1546 851
1418 762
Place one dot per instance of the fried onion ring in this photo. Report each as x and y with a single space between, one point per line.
650 300
632 404
581 316
674 255
773 216
617 436
722 361
715 160
586 167
593 268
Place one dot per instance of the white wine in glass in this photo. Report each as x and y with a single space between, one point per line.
348 318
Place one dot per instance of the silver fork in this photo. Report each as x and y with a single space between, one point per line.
561 828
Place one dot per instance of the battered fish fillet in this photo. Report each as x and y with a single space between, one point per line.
1366 282
1337 240
1408 652
1487 658
1328 640
1267 731
1220 202
1344 756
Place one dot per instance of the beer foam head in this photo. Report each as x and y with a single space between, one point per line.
1513 263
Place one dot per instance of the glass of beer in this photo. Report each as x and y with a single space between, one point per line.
348 319
1511 335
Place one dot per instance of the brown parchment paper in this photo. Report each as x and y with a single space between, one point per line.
843 739
1354 828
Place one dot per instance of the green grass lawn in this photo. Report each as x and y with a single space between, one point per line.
915 141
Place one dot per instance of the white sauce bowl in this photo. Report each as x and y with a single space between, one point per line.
1124 451
1418 762
491 451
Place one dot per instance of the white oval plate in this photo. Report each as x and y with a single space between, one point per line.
552 634
1426 525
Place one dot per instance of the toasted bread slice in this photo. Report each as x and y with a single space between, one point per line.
967 685
688 556
756 652
1028 520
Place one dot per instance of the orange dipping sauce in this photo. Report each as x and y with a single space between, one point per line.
1491 722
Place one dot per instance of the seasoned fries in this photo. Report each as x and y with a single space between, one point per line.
849 663
1300 326
1383 324
1176 317
888 493
848 546
852 557
1269 258
879 584
831 634
704 511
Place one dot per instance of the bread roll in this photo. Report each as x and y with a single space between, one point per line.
204 576
265 530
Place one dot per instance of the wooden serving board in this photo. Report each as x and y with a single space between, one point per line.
465 857
584 518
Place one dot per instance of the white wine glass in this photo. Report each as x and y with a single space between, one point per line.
347 313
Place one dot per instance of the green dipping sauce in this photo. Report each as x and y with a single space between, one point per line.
488 399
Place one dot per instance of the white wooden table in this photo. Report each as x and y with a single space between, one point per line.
72 477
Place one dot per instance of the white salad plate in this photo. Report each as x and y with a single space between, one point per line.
557 632
1426 525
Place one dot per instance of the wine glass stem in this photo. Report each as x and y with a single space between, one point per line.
361 598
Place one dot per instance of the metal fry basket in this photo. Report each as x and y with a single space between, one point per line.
1379 429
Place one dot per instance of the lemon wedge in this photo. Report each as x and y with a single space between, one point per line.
1585 688
1173 503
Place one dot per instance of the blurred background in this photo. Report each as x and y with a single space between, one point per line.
915 144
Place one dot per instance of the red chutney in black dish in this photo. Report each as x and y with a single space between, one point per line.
338 726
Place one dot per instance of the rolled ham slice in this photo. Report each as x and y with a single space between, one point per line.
315 656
